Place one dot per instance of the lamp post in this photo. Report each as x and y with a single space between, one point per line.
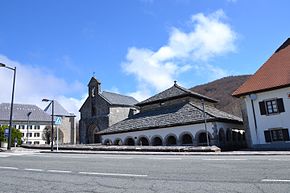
11 108
205 127
28 114
52 119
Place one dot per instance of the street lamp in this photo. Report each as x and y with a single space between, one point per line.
28 114
11 108
52 119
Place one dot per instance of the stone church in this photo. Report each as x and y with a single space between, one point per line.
101 110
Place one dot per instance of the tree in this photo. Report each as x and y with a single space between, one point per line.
15 135
47 134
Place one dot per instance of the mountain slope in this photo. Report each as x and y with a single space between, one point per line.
222 90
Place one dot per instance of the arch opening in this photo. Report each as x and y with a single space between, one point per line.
171 140
202 139
157 141
186 139
108 142
143 141
130 141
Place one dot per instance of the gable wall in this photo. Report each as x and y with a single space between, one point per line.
265 122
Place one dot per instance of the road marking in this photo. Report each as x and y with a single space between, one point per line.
115 157
4 155
215 159
34 170
8 168
112 174
275 180
164 158
279 159
59 171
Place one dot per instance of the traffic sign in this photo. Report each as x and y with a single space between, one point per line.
58 121
6 133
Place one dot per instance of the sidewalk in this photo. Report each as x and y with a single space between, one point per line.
228 153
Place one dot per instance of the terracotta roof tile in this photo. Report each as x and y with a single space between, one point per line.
275 73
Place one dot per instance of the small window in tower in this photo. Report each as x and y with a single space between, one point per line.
93 91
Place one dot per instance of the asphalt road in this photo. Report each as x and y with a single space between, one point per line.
35 172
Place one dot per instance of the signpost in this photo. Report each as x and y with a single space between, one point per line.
6 133
57 122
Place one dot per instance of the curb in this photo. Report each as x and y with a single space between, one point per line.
171 153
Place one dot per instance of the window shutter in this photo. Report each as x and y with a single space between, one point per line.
262 108
267 136
280 105
285 134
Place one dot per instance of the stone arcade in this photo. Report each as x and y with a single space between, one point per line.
176 117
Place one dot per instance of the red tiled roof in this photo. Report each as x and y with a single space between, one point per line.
275 73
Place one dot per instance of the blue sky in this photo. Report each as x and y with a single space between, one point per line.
134 47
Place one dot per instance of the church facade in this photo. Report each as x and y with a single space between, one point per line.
101 110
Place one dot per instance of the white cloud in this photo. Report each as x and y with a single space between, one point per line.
33 84
209 37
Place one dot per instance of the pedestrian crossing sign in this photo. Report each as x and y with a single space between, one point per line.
58 121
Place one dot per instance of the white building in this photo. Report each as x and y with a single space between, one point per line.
29 119
267 102
176 117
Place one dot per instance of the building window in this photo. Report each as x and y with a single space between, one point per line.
28 134
36 134
93 92
37 127
273 106
36 142
278 134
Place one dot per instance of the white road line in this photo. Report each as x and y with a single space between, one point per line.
115 157
212 159
59 171
278 159
34 170
275 180
61 156
164 158
112 174
8 168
